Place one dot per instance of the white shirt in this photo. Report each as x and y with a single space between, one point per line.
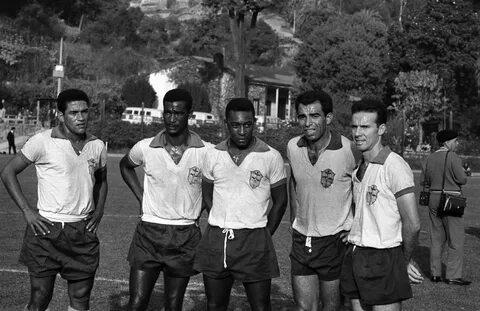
324 189
377 221
65 179
241 194
172 192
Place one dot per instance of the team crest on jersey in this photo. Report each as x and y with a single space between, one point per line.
372 194
255 178
194 175
327 178
92 166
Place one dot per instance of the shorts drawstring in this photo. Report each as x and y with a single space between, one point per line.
308 243
229 235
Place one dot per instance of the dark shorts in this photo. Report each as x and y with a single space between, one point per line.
324 258
170 248
69 249
250 255
375 276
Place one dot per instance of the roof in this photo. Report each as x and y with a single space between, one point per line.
261 74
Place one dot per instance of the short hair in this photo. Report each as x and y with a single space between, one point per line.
310 97
179 95
70 95
372 105
13 127
239 104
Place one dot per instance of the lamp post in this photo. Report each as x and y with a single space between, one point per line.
59 71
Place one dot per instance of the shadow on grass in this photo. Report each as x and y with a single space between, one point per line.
473 231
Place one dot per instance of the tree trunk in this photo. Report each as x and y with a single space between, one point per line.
420 135
237 25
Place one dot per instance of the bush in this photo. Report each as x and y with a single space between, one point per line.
121 135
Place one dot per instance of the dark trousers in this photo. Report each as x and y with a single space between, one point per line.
10 147
445 233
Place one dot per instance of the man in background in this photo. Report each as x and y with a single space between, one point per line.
444 168
11 141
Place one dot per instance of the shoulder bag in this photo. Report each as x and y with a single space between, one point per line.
424 198
450 204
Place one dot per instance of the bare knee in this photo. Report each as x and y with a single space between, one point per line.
79 294
302 304
138 301
39 298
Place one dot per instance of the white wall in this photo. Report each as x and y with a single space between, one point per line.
161 84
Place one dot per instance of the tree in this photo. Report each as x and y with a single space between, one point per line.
442 36
137 90
199 94
237 11
418 97
346 55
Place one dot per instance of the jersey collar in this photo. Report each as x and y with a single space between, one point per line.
382 156
259 146
58 133
334 144
193 140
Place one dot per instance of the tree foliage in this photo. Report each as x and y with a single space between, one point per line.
419 97
443 37
137 90
347 54
117 28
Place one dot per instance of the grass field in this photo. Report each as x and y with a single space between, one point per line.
111 287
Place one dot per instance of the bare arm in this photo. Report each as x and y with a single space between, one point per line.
407 208
293 198
279 205
131 179
207 195
37 223
100 190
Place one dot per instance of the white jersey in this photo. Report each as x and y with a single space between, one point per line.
65 178
172 192
241 193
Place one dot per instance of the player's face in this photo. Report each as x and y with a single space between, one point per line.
175 116
365 131
75 117
240 126
313 121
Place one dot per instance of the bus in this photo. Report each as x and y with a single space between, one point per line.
134 115
201 118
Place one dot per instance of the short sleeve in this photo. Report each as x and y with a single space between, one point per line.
400 177
207 167
103 157
135 155
277 173
34 148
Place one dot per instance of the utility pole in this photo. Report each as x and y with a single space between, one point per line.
59 71
141 124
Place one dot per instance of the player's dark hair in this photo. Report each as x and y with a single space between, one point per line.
179 95
371 104
71 95
310 97
239 104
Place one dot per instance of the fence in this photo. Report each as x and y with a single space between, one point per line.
24 126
